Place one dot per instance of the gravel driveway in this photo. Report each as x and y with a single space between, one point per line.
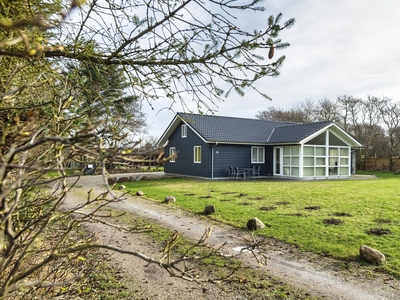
321 277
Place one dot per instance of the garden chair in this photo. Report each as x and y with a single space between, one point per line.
238 172
255 172
231 172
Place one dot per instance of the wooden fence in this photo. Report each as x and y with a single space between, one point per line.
380 164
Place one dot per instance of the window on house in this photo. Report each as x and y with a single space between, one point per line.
171 152
184 131
257 155
197 154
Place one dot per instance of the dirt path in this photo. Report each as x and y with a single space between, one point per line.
321 277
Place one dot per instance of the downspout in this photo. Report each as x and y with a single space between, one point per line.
212 160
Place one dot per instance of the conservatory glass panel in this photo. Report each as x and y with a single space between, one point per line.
344 170
335 141
286 171
308 171
320 151
333 151
308 161
286 161
320 171
333 161
295 171
286 150
295 150
319 140
308 150
344 151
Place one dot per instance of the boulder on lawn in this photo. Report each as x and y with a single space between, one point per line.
123 179
112 180
169 199
122 187
371 255
139 193
255 224
209 209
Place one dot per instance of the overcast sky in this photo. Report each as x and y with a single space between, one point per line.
337 47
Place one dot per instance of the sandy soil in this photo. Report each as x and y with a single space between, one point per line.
319 276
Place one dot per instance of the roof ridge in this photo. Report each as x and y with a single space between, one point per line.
309 123
242 118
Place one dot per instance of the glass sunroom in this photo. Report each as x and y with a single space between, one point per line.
326 155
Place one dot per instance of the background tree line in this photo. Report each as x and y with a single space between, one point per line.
374 121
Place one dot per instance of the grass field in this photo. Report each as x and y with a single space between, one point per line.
331 217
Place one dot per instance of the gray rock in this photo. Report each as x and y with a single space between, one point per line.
371 255
209 209
169 199
139 193
255 224
122 187
123 179
112 180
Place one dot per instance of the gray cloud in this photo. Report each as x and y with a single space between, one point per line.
337 47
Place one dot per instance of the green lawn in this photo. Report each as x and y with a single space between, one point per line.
297 211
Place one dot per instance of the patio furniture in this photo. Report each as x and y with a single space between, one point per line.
239 172
255 171
231 172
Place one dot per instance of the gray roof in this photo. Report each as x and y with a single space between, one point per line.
297 132
241 130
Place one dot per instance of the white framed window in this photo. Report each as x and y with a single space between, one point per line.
291 161
172 151
257 155
184 131
197 154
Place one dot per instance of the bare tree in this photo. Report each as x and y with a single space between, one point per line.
301 113
390 113
350 108
177 50
327 110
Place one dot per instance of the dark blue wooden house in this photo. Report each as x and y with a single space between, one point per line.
207 145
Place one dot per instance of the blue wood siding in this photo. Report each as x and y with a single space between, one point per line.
184 163
239 156
213 157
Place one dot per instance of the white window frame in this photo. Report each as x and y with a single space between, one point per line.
172 151
257 161
196 155
184 131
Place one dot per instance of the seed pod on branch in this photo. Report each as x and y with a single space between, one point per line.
271 52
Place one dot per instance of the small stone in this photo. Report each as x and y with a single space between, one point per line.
255 224
209 209
122 187
169 199
371 255
139 193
